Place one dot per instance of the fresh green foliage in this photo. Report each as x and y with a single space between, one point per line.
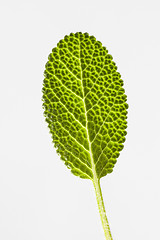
85 105
86 110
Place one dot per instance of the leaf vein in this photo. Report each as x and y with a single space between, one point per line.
71 53
69 70
107 144
83 173
83 163
102 123
73 137
67 109
99 98
94 82
67 87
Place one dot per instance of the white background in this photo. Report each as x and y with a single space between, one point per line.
39 198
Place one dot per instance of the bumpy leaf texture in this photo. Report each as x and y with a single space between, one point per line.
85 105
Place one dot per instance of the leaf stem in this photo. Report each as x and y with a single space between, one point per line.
101 207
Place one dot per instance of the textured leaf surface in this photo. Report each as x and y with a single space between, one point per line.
85 105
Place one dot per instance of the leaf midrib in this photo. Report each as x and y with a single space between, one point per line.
85 110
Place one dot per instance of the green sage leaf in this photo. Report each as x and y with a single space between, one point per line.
85 105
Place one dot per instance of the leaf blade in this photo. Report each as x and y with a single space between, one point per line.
85 105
